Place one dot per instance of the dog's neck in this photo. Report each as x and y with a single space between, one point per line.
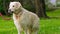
18 13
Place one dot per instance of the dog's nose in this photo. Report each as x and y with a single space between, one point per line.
9 10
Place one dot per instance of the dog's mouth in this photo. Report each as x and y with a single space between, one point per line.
10 12
13 11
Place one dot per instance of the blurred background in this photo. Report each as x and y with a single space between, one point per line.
47 10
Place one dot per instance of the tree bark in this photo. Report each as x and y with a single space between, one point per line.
40 8
4 5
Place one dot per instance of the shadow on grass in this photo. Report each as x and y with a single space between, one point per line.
51 18
54 18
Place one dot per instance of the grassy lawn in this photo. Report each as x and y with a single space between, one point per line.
7 27
51 26
47 26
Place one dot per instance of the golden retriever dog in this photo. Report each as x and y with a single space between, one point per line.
24 20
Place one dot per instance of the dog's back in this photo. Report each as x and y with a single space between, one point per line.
29 20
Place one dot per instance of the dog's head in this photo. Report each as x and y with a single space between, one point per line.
13 7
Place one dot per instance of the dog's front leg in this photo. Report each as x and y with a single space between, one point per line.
26 31
19 32
19 29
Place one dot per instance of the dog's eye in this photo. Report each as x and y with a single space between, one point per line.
13 6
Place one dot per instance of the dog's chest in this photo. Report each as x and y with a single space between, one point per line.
22 20
16 18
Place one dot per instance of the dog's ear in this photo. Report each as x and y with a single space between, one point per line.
18 4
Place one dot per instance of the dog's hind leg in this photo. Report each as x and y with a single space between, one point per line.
35 32
28 31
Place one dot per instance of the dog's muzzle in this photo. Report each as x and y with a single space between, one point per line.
9 11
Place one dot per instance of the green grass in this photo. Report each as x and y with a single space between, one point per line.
47 26
7 27
51 26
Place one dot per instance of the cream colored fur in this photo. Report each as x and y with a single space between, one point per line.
25 20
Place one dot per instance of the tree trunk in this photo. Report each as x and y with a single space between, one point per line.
39 5
4 7
40 8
